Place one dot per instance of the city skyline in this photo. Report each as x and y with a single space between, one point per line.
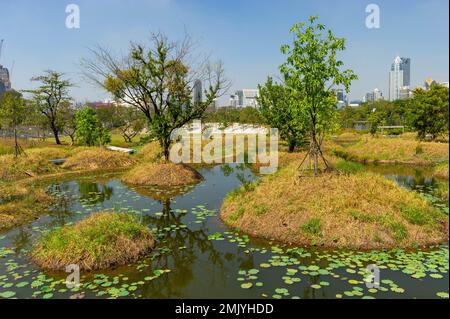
248 45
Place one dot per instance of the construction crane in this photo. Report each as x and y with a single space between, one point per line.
1 46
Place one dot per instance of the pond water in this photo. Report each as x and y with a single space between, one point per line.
199 257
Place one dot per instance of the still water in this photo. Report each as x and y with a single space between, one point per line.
199 257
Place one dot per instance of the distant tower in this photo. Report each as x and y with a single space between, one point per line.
198 94
429 82
5 83
399 78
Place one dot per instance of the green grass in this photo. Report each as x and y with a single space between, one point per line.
236 215
365 218
312 227
415 216
349 167
100 241
399 230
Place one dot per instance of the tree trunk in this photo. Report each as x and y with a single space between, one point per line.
165 145
16 144
292 143
314 150
72 140
55 134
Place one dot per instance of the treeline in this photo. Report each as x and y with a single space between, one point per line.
426 113
156 83
50 108
229 115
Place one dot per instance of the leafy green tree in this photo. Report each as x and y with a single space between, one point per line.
49 99
311 71
13 112
279 108
376 119
229 115
88 129
159 81
428 111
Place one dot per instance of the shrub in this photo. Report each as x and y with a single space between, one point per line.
88 129
419 149
312 227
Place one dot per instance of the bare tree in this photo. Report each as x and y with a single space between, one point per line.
159 81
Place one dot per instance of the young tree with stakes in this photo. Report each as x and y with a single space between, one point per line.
312 70
13 112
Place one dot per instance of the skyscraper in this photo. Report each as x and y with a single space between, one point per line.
198 94
5 83
399 77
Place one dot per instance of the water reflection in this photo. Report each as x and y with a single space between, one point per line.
200 267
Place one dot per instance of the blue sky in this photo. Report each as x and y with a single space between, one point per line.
245 34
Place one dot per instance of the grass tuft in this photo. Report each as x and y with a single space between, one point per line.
313 227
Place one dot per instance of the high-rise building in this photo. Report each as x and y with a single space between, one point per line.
377 95
198 93
399 77
5 83
373 96
244 98
340 98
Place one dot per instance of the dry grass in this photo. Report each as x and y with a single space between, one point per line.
151 152
162 174
20 203
100 241
361 211
7 144
394 150
98 158
34 163
441 171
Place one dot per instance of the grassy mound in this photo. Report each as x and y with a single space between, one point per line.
361 211
21 203
391 150
34 163
162 174
151 152
98 158
441 171
100 241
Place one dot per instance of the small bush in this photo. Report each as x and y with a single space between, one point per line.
399 231
312 227
419 149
